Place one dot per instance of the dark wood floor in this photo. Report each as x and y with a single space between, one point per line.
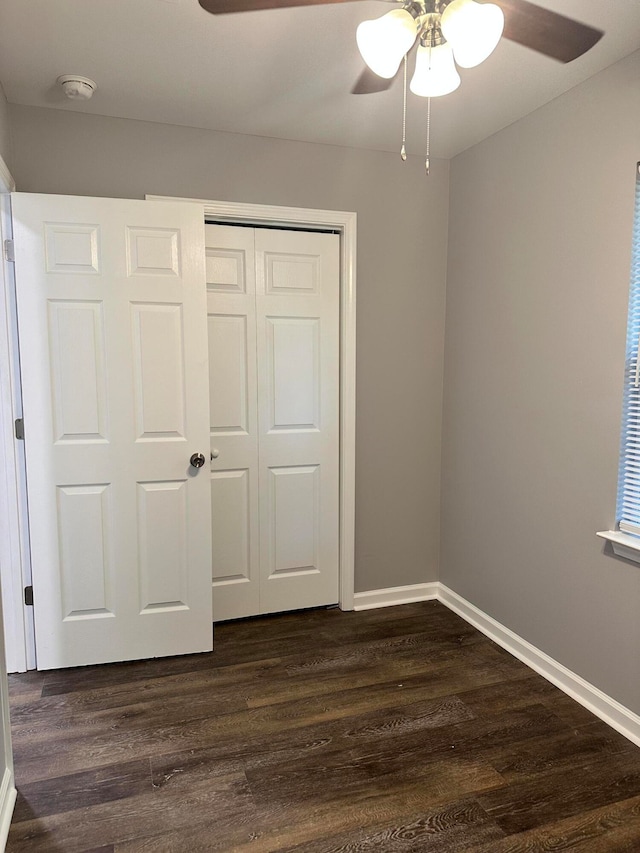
401 729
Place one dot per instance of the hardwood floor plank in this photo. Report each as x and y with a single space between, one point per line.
345 626
346 763
445 671
610 829
339 782
186 769
160 710
85 677
548 797
532 689
560 752
226 688
343 630
78 790
507 694
299 826
565 708
157 811
25 686
439 831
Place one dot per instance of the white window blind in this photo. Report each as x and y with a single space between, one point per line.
629 479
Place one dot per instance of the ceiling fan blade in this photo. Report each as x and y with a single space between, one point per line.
369 82
545 31
219 7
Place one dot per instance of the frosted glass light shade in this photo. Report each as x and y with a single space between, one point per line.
472 29
385 41
435 72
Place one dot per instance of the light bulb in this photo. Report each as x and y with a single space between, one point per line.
472 29
435 72
385 41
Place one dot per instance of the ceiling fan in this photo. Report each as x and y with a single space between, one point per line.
528 24
443 33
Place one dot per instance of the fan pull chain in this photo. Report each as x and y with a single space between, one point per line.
427 163
403 150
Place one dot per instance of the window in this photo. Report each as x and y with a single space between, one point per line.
628 512
626 540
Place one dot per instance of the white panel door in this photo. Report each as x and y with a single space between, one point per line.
273 299
231 306
113 339
298 298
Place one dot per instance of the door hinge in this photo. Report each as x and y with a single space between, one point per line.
28 595
9 251
20 429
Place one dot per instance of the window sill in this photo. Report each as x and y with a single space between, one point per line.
623 544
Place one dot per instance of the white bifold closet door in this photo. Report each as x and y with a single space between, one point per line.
113 341
273 315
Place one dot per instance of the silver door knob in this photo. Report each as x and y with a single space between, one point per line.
215 453
197 460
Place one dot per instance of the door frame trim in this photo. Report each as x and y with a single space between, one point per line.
15 565
345 223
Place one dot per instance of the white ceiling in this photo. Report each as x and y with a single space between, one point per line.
283 73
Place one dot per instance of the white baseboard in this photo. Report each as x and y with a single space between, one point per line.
395 595
607 709
7 801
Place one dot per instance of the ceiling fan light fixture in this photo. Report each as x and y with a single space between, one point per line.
384 41
435 73
473 30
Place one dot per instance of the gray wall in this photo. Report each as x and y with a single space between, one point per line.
5 136
538 278
402 229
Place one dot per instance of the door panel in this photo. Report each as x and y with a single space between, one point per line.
231 294
229 374
72 248
112 321
84 526
153 251
227 268
158 344
78 379
162 545
289 272
231 524
294 519
298 322
293 362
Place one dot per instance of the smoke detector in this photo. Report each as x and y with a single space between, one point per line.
77 88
